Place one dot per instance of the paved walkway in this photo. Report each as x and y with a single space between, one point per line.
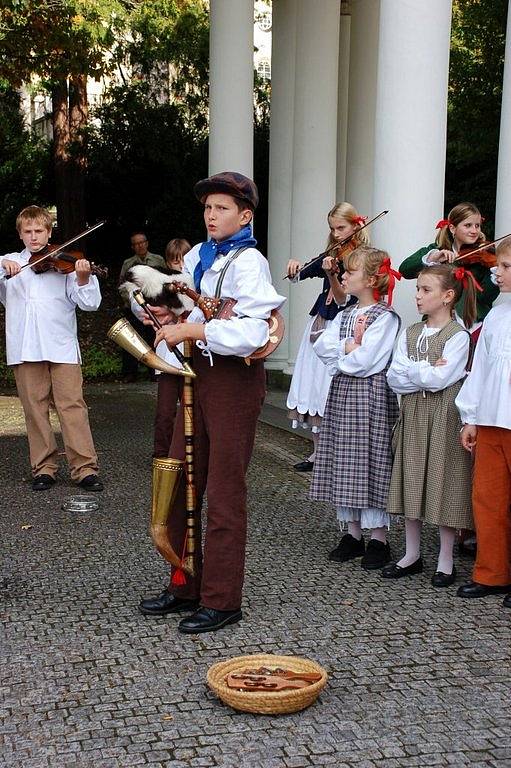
418 677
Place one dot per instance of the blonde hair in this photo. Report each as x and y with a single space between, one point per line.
349 213
34 213
370 259
176 249
459 213
451 278
503 247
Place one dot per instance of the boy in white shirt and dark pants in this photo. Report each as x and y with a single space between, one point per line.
42 347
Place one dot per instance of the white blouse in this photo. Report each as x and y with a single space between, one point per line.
485 396
40 316
409 374
374 352
248 281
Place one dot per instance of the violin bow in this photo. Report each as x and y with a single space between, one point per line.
482 247
62 247
335 246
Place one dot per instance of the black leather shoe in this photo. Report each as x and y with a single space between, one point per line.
42 482
304 466
166 603
473 589
377 555
440 579
91 483
394 571
207 620
348 548
507 601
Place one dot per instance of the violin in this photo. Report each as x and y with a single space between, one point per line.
484 254
52 258
58 259
338 247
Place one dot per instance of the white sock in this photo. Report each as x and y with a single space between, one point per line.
379 534
445 556
355 530
315 438
413 543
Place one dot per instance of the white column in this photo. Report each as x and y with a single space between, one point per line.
342 101
314 147
362 103
410 142
231 74
281 157
503 206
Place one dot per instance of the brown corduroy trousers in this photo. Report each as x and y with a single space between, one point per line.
228 398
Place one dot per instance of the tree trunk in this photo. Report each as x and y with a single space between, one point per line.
69 109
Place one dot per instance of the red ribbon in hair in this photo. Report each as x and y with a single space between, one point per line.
386 269
442 223
360 220
463 275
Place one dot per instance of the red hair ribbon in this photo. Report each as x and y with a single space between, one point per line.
463 276
385 268
442 223
359 220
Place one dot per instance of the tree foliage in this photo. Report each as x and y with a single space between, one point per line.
475 95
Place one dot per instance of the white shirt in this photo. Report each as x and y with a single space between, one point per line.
374 352
409 374
248 281
40 317
485 396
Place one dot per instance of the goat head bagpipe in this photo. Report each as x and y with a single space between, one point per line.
147 285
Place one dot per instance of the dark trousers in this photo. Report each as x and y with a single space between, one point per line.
170 390
228 400
130 363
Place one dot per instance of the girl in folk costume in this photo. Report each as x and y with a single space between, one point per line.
431 476
311 380
460 231
354 459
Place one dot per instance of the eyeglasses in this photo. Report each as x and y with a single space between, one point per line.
134 243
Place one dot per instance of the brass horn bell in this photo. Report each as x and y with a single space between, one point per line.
126 337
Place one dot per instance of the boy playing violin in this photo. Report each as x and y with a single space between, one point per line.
42 347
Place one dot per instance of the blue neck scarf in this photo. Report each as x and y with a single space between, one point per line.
211 249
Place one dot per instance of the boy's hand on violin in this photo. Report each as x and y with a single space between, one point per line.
439 362
329 264
442 257
11 267
83 270
292 267
468 437
175 334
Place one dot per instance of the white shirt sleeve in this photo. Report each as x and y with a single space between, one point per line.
426 257
247 329
370 358
86 297
406 375
470 394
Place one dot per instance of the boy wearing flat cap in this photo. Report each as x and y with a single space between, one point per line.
228 399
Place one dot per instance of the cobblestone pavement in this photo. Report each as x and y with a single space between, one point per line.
418 677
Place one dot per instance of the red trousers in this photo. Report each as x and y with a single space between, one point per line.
491 499
228 398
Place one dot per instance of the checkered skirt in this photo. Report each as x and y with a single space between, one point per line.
354 460
431 477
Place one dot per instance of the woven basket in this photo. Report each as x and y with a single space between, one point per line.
266 702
